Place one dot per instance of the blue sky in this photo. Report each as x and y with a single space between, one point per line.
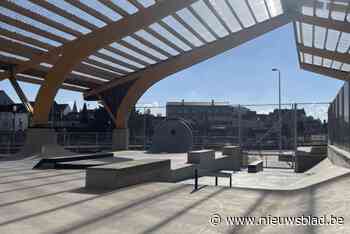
241 75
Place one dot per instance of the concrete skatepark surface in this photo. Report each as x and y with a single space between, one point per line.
55 201
178 160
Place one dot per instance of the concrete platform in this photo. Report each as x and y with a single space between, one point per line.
123 174
180 168
52 201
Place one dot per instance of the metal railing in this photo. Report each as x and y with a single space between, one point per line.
11 142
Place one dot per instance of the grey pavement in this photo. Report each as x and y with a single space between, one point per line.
55 201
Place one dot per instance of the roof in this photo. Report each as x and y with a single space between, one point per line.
4 98
323 37
9 108
158 38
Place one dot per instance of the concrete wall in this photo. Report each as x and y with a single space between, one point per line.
339 156
222 163
234 162
308 157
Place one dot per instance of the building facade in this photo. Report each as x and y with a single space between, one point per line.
13 118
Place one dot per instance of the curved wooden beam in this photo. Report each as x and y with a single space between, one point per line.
73 53
144 79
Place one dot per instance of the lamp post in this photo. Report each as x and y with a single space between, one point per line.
279 109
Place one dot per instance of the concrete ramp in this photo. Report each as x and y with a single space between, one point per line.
79 161
322 172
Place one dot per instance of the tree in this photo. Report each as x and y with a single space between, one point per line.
84 116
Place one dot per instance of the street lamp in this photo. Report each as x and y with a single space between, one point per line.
279 108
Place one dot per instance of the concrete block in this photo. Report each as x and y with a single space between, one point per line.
237 158
319 150
286 158
120 139
200 156
118 175
230 150
306 160
255 166
42 142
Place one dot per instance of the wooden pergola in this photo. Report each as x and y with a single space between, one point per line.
113 51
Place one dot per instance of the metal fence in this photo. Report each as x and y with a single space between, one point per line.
84 138
11 141
302 124
252 133
339 127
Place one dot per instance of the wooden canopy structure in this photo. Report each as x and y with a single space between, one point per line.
114 50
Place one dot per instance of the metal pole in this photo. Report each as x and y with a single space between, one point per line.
144 129
239 126
279 111
195 179
295 133
14 128
295 127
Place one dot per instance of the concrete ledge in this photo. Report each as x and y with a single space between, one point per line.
231 150
42 142
286 158
118 175
255 166
306 159
339 156
220 162
200 156
238 160
182 173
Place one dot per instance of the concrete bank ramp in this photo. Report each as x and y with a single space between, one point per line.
322 172
279 179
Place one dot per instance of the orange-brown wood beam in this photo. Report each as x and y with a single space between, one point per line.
332 55
73 53
146 78
332 73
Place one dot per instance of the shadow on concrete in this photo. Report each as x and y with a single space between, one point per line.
28 173
14 169
182 212
84 190
86 163
199 188
311 209
109 213
32 198
41 185
249 212
41 177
